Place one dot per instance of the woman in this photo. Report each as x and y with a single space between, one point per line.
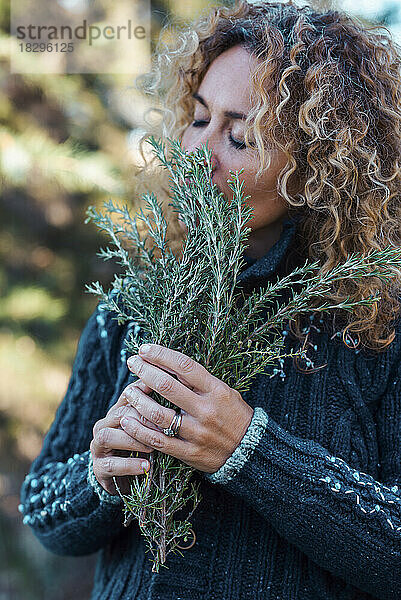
300 475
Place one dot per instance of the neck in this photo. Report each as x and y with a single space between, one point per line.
261 240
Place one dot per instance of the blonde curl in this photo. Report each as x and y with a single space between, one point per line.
326 91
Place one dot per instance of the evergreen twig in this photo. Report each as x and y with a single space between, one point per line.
191 305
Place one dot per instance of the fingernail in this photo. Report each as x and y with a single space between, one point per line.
145 465
132 360
145 348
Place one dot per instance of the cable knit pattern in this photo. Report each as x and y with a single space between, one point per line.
306 492
307 507
64 511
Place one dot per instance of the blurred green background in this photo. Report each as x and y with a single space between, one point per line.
66 141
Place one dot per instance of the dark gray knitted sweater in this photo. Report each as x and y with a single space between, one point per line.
308 507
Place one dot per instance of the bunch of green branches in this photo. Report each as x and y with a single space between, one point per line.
193 304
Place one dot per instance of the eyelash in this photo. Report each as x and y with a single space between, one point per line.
233 142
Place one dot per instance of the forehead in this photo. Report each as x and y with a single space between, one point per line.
226 84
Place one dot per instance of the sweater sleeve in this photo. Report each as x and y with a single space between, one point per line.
341 518
68 511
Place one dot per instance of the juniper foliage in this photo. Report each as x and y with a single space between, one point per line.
192 304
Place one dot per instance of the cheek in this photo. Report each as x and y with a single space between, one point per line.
264 199
266 211
267 184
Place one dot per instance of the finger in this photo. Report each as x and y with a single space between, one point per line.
142 386
188 370
138 383
115 466
168 387
155 439
122 400
109 438
113 420
151 411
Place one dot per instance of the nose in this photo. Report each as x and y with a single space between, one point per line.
202 139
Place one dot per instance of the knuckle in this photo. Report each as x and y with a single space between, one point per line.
157 416
194 454
207 413
212 412
165 385
142 419
108 466
222 391
120 402
202 414
156 441
95 429
185 364
202 436
103 437
132 396
158 352
139 368
114 411
121 411
205 409
132 426
98 426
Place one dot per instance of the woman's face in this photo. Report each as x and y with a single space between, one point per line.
222 103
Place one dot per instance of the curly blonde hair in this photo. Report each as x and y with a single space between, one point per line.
327 92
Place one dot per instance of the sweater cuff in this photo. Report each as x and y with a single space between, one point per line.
243 451
104 496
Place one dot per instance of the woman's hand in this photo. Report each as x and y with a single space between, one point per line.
214 416
109 438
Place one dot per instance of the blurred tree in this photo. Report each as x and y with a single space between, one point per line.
389 14
66 141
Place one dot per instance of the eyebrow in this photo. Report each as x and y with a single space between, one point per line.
227 113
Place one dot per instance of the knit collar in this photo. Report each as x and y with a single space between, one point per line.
267 265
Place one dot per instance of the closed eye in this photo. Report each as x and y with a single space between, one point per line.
237 144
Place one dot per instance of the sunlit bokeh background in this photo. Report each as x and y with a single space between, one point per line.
66 141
